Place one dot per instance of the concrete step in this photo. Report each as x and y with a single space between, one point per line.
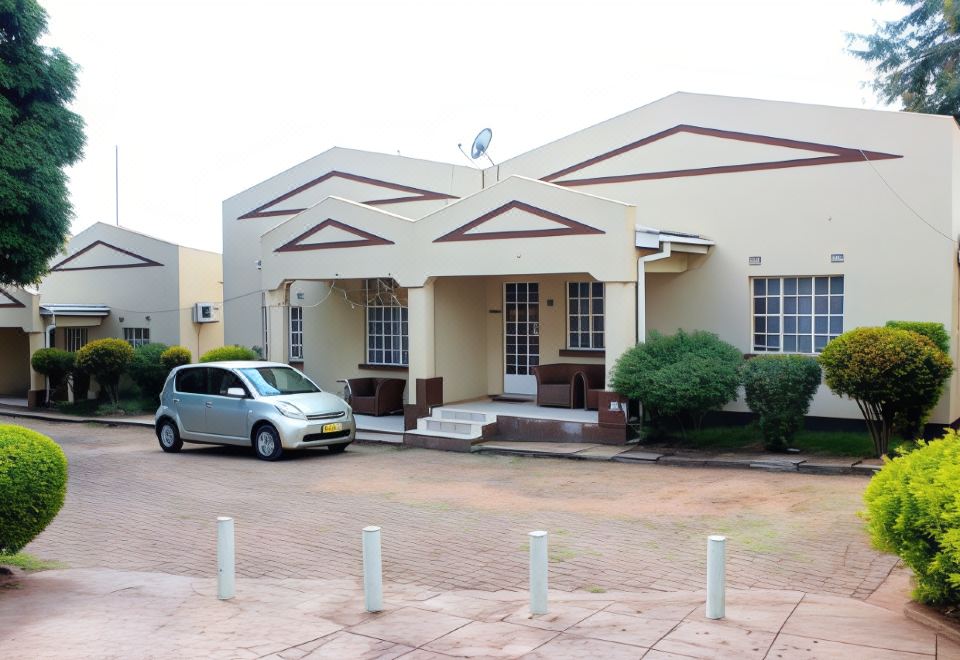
462 415
449 428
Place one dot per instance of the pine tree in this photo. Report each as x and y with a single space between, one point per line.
39 137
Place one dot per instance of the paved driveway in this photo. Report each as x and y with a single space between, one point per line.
452 521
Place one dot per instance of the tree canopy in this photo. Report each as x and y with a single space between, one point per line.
39 137
916 56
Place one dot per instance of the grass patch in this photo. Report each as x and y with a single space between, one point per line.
594 589
95 408
29 563
855 444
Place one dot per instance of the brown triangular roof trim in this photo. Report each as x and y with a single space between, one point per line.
420 195
364 238
13 302
144 261
568 227
834 154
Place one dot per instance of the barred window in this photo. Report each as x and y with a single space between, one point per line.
76 338
296 333
585 315
387 340
796 314
136 336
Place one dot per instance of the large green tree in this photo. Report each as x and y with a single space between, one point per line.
39 137
916 56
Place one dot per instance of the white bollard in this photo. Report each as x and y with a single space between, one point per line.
225 558
538 572
372 570
716 576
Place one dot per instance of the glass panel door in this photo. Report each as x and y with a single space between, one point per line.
521 336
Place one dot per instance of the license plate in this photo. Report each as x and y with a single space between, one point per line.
330 428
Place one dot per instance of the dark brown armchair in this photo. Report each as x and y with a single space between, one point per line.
594 377
557 385
376 396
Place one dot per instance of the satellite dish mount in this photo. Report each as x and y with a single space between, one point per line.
480 145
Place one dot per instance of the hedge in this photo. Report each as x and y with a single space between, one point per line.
935 332
913 510
147 370
779 389
225 353
106 360
175 356
33 485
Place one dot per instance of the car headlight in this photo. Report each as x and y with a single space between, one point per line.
290 410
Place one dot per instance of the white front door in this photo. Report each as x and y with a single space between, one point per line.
521 336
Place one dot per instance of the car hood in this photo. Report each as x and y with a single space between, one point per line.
314 403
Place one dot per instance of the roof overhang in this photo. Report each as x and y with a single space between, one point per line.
647 238
63 309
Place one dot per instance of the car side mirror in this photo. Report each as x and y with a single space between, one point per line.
236 392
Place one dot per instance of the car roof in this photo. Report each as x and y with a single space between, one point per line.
238 364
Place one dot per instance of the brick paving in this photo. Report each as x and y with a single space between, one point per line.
131 507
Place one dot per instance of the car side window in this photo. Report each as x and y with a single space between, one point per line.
192 381
222 380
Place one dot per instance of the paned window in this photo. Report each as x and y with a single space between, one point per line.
296 333
796 314
75 338
136 336
585 315
387 339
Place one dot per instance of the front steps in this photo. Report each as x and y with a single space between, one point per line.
451 429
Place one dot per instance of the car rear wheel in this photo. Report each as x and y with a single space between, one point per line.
266 443
336 449
169 437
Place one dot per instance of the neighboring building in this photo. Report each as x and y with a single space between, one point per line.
775 225
113 282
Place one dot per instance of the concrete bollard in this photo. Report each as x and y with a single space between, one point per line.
225 559
372 570
716 576
538 572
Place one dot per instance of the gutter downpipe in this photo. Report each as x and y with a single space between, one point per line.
664 253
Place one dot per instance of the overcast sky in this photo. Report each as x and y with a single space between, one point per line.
206 98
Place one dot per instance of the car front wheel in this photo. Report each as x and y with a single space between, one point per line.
169 437
266 443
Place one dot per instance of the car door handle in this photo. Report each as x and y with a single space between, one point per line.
176 400
208 404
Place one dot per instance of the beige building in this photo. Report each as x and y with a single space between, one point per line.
112 282
775 225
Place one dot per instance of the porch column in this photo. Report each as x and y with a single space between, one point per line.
620 307
38 383
421 357
275 302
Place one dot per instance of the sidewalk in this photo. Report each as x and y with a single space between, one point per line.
50 416
101 612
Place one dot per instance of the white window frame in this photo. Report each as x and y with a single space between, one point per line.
74 339
296 333
136 336
387 337
590 322
795 314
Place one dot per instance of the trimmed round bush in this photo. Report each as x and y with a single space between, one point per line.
891 374
679 377
33 485
147 370
913 510
935 332
54 363
175 356
106 360
225 353
779 389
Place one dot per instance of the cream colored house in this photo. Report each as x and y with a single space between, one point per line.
775 225
112 282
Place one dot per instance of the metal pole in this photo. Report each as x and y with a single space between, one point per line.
225 558
538 572
372 570
116 180
716 576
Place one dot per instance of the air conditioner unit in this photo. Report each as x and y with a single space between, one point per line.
205 313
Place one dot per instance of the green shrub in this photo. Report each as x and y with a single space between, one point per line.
779 389
890 373
106 360
228 353
54 363
935 332
147 370
33 484
679 377
913 510
175 356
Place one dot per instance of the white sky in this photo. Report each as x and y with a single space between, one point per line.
208 97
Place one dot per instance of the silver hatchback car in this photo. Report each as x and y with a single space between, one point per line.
268 405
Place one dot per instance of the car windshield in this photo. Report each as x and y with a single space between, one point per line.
274 381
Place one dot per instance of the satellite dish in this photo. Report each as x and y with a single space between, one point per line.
481 143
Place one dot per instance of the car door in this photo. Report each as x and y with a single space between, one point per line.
190 395
226 415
